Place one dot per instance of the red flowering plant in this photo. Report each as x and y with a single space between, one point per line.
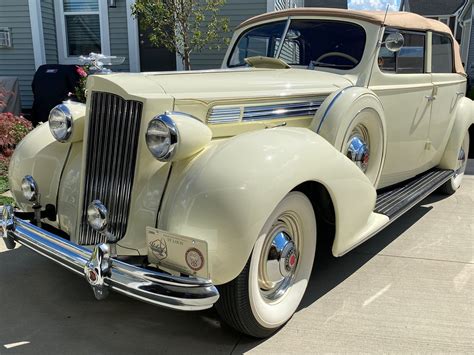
80 90
12 130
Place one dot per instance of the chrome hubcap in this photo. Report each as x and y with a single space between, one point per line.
279 258
461 162
358 147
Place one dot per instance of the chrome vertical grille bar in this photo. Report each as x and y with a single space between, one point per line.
112 143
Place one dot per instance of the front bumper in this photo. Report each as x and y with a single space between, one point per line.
104 273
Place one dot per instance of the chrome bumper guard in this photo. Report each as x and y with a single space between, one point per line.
105 273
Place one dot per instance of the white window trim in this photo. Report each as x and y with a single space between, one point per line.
468 44
36 22
133 44
63 57
271 5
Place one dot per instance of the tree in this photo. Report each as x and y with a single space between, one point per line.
182 26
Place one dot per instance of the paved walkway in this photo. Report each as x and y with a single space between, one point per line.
409 289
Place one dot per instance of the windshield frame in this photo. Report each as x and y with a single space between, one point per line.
288 21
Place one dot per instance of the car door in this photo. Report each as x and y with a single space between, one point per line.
405 89
449 88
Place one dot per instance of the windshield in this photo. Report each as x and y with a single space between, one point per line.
310 43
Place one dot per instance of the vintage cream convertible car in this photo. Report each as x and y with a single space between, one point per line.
193 189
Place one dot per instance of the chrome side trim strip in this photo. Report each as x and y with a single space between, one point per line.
268 112
224 115
157 288
220 114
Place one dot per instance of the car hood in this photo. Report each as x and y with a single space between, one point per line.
221 85
233 84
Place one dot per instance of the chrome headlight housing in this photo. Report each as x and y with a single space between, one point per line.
60 123
162 137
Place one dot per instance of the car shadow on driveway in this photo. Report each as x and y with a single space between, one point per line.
54 311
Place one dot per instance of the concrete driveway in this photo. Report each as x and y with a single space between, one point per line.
409 289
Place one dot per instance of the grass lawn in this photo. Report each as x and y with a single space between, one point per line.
6 200
3 184
3 188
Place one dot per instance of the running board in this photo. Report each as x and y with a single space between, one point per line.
399 199
394 201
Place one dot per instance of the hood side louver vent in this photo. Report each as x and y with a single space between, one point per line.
249 113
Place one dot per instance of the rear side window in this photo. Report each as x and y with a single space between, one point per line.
442 54
409 60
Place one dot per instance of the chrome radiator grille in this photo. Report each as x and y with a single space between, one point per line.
112 142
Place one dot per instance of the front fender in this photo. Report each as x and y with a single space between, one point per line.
42 157
225 195
338 110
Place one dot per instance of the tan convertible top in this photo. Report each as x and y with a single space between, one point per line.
402 20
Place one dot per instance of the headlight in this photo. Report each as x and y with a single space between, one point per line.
29 188
60 123
162 137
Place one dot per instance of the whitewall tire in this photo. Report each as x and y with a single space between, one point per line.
269 290
454 183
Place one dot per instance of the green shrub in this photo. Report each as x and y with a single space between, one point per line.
12 130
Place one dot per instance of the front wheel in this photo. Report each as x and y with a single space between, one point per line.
268 291
451 186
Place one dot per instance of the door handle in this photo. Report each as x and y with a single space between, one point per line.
430 98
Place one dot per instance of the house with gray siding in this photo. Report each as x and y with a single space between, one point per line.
446 11
36 32
467 49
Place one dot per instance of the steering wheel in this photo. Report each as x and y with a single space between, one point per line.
335 54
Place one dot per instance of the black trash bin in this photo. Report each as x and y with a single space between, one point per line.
51 85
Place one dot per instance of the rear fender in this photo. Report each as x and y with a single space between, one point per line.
464 119
225 195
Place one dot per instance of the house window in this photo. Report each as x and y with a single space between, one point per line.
82 22
82 27
466 33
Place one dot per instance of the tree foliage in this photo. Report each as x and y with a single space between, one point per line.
182 26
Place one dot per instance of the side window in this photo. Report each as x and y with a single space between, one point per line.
409 60
442 61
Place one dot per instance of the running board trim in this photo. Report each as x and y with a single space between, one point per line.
401 198
389 201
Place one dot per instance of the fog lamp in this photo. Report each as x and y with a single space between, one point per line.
29 187
97 216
